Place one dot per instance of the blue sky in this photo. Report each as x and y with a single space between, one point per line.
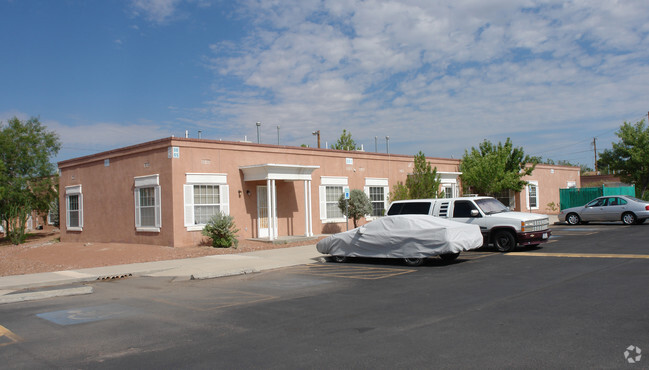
439 77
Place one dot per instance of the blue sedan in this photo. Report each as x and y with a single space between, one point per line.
623 208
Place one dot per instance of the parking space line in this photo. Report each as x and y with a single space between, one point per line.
8 334
579 255
353 272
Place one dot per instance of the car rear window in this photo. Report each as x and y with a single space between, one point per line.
409 208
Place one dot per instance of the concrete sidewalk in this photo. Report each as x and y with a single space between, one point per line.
12 288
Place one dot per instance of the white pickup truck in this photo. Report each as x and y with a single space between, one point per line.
501 227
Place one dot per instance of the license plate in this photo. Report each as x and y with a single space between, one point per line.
545 235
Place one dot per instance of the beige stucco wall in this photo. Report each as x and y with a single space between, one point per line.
108 192
203 156
550 179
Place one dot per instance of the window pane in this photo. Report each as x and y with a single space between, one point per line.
333 193
333 211
147 207
73 201
532 201
74 218
202 214
376 197
206 194
73 210
147 197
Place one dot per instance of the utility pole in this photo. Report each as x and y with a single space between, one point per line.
595 147
317 133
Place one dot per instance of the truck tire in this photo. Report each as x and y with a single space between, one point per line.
504 241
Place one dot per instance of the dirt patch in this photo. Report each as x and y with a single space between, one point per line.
44 253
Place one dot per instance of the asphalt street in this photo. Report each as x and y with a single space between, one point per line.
578 302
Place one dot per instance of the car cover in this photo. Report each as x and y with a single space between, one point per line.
403 236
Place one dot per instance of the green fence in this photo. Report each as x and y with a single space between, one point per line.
575 197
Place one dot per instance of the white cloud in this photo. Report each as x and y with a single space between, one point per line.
157 11
442 76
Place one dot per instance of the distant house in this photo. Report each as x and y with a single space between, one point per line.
164 191
594 181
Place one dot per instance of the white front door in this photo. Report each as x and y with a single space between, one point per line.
262 212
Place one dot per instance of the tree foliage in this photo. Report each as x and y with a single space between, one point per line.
358 206
345 142
27 177
491 169
424 181
630 156
399 192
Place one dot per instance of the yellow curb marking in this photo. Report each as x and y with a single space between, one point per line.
579 255
4 332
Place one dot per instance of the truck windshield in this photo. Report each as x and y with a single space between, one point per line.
491 205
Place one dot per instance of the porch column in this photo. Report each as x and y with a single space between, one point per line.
310 209
306 209
274 209
271 232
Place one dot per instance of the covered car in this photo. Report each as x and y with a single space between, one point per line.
408 237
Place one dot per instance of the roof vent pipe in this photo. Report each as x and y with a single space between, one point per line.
186 134
200 133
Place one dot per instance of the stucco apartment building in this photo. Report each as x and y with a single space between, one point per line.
163 192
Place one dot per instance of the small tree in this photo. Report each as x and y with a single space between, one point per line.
27 177
491 169
424 181
345 142
222 230
359 205
630 156
399 192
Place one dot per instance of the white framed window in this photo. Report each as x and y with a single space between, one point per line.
330 190
73 208
205 195
533 195
377 190
148 217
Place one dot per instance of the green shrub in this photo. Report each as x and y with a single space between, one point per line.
222 230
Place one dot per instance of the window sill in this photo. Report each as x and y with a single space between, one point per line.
74 229
147 229
195 228
333 220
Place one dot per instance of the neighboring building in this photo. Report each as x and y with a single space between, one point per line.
595 181
164 191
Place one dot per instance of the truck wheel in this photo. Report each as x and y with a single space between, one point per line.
504 241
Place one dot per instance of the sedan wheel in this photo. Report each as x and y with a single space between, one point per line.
413 261
628 218
504 241
572 219
339 259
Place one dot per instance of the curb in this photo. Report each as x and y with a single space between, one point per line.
213 275
32 296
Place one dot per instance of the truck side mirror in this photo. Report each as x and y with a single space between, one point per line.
475 213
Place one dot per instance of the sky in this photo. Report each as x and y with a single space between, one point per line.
433 76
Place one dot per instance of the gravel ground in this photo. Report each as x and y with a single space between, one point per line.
44 253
